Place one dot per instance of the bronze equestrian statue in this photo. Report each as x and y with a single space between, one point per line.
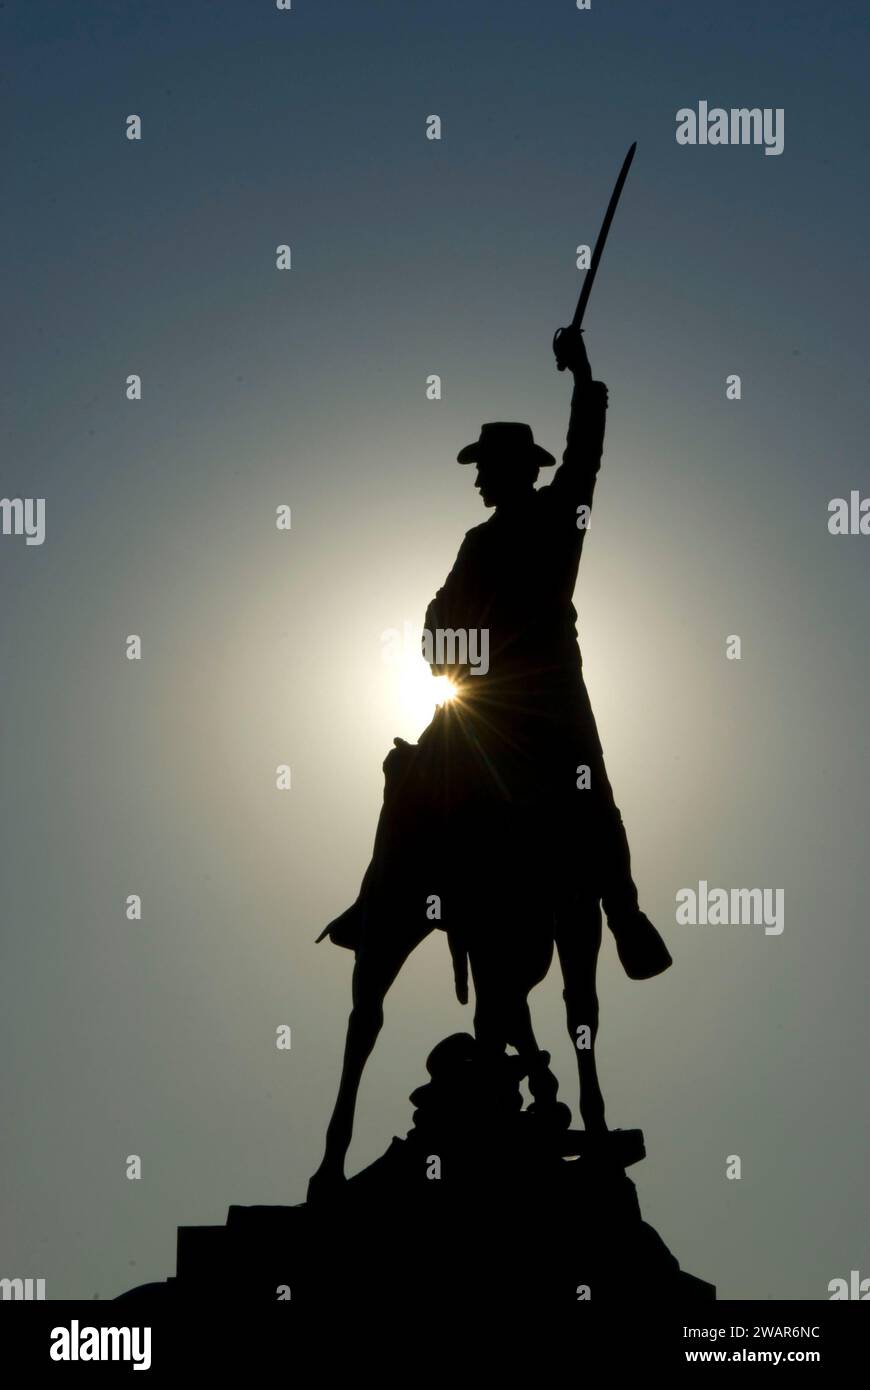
500 824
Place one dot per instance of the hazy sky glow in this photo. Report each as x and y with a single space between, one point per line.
412 257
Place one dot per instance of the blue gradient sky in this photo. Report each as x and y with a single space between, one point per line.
412 257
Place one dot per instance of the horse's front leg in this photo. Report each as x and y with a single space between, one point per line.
374 971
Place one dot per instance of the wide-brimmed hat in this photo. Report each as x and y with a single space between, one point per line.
506 439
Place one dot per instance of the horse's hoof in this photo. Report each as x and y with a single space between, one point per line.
324 1186
640 947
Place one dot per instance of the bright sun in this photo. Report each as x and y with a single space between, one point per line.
420 692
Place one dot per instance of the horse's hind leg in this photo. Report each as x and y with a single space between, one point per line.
542 1083
502 1016
578 941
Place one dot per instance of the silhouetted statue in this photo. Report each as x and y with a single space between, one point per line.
500 827
500 824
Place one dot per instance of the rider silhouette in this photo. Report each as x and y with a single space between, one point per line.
514 576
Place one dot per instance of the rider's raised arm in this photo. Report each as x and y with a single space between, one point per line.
574 482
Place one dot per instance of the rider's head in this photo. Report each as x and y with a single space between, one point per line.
508 461
501 481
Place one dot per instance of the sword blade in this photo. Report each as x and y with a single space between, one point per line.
602 237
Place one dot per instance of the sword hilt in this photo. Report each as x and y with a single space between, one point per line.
570 350
557 336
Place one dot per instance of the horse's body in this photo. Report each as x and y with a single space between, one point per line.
486 872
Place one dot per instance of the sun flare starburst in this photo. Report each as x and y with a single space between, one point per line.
420 693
